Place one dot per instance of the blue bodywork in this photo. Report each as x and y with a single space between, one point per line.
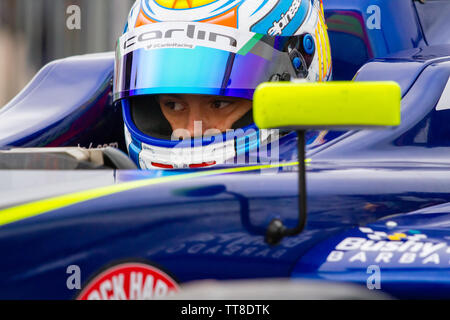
369 193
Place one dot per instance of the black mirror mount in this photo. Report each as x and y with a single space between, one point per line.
276 230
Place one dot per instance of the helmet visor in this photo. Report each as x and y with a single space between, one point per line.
198 58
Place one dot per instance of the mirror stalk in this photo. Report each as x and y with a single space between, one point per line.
333 105
276 230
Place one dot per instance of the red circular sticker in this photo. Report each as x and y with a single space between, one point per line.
129 281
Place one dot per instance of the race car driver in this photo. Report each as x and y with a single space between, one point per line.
186 72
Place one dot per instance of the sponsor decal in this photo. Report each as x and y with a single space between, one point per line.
129 281
100 146
286 18
412 235
186 35
237 244
411 247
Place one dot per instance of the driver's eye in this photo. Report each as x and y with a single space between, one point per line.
220 104
174 106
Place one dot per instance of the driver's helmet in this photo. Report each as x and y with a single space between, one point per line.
211 47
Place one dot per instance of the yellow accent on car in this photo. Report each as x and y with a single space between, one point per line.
327 105
35 208
397 236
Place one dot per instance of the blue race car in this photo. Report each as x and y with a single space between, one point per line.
80 220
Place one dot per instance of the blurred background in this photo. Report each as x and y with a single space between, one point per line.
34 32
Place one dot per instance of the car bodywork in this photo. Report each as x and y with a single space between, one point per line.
375 199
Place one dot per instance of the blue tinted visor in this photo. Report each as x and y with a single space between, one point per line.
197 58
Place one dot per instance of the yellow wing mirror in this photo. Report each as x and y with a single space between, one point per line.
327 105
321 105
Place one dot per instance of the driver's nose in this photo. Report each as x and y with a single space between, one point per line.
198 122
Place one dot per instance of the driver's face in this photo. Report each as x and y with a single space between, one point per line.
181 110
